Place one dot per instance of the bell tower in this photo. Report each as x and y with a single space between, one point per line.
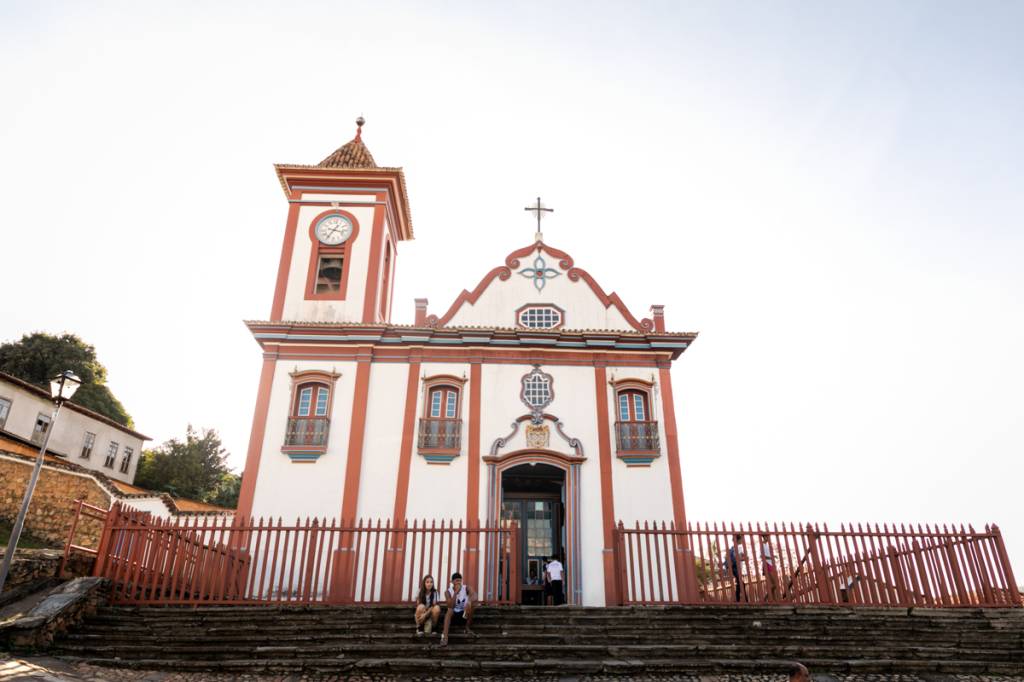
346 216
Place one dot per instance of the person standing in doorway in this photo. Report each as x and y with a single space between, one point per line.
553 579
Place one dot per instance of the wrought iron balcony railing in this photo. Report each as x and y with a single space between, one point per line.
307 432
440 434
637 436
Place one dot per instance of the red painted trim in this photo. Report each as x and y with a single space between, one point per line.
283 268
604 448
318 249
408 436
259 427
473 450
500 272
385 282
373 268
608 300
640 384
391 180
357 433
565 262
648 359
672 449
552 455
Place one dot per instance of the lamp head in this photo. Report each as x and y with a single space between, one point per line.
64 385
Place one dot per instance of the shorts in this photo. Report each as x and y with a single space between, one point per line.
458 618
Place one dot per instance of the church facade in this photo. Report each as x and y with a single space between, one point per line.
534 396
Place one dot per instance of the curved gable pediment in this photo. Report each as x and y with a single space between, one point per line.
537 275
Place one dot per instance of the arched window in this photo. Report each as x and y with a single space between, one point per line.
440 434
633 406
443 403
636 429
309 418
311 400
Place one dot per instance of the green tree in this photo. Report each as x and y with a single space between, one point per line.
227 491
39 357
194 468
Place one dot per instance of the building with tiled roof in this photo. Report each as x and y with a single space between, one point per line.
89 439
536 396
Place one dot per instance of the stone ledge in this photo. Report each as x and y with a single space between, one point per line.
62 608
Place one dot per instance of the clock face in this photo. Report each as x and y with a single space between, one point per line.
333 230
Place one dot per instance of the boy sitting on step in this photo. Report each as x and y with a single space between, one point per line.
461 603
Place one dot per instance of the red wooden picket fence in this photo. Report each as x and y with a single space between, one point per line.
222 560
82 509
856 565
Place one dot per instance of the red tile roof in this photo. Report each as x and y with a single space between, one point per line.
351 155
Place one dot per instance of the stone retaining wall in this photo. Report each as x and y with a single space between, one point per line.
50 514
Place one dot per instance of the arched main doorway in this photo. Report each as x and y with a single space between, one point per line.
539 490
533 495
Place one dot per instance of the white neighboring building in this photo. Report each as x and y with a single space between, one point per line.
81 436
535 397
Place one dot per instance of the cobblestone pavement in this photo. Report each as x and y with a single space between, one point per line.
43 669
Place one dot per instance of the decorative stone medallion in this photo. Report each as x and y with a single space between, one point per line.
537 436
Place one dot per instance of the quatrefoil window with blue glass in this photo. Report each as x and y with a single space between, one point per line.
540 273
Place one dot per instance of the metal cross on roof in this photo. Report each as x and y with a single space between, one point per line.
540 209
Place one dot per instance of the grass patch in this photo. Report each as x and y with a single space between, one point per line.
26 541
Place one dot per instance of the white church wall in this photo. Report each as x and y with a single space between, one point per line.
438 491
287 489
641 493
497 305
356 260
383 440
573 404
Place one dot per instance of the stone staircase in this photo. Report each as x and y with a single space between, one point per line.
562 641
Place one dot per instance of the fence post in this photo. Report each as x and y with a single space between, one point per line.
1004 559
897 576
101 551
619 561
954 567
71 539
821 577
689 593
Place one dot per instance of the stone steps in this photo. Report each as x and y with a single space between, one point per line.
538 640
530 651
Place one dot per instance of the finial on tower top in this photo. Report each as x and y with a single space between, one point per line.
359 127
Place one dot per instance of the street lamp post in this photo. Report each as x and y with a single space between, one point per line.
61 389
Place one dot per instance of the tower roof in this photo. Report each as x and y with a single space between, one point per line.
354 154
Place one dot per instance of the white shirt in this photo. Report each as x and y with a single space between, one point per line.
460 599
555 569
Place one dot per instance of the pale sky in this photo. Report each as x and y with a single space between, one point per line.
831 194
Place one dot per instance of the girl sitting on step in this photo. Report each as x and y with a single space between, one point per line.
428 606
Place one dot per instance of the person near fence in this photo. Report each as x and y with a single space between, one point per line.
737 554
428 606
461 602
553 580
768 565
